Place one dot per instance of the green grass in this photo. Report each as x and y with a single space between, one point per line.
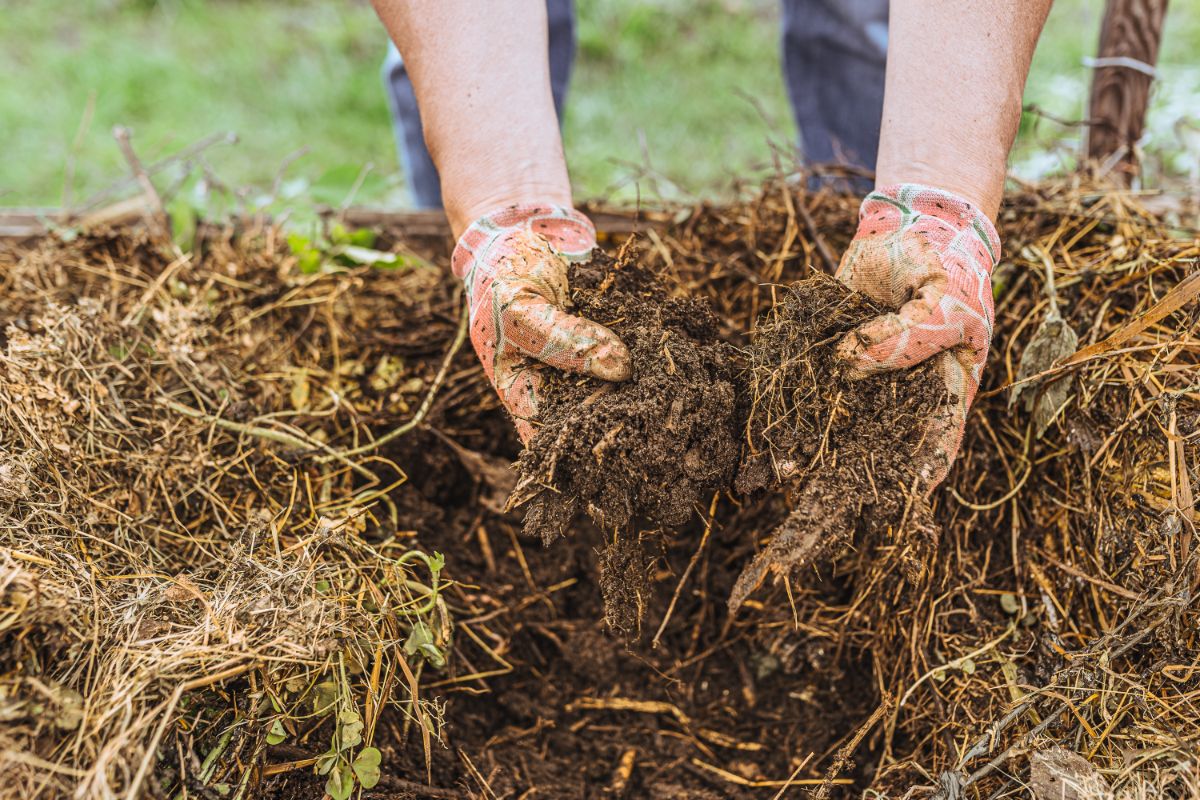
670 98
684 104
283 76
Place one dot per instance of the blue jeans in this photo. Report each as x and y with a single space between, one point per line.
834 54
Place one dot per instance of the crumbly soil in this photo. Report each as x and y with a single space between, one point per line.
843 447
649 451
624 582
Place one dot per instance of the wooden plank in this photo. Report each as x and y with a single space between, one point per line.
24 223
1124 71
21 223
427 224
30 222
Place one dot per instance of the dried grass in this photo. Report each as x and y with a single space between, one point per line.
186 504
171 587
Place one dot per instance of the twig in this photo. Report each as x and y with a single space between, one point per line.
156 219
712 511
183 155
846 751
733 777
822 248
270 435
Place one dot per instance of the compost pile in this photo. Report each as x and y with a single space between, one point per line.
223 483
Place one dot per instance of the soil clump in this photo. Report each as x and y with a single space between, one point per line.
650 450
843 447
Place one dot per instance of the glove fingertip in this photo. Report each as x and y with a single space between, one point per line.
525 431
611 360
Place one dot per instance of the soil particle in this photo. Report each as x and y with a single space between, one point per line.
651 449
844 448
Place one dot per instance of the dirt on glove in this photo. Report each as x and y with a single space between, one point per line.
649 451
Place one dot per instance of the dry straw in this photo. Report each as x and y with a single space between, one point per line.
202 561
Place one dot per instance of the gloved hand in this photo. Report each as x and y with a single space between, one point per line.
929 254
513 264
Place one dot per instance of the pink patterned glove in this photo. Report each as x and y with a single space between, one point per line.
514 265
929 254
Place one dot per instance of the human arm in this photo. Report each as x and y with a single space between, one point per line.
956 71
926 242
482 79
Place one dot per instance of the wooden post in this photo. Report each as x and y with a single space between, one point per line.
1123 73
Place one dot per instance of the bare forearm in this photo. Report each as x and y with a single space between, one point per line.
952 105
482 79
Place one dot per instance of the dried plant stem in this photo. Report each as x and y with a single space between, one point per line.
426 404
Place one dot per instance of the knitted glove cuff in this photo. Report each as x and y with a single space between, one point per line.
568 232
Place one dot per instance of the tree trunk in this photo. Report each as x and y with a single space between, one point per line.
1129 39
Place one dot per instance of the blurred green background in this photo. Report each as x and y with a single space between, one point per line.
671 99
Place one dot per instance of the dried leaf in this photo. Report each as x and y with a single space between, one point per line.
387 373
1058 774
1053 340
277 733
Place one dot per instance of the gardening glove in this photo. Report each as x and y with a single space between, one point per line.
513 264
929 254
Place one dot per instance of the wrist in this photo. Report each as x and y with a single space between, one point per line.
970 170
474 187
937 214
484 204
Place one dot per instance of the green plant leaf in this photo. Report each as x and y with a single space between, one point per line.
338 234
182 216
277 733
350 728
1010 603
365 256
324 695
298 243
309 261
341 782
363 237
420 640
326 762
418 637
366 767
